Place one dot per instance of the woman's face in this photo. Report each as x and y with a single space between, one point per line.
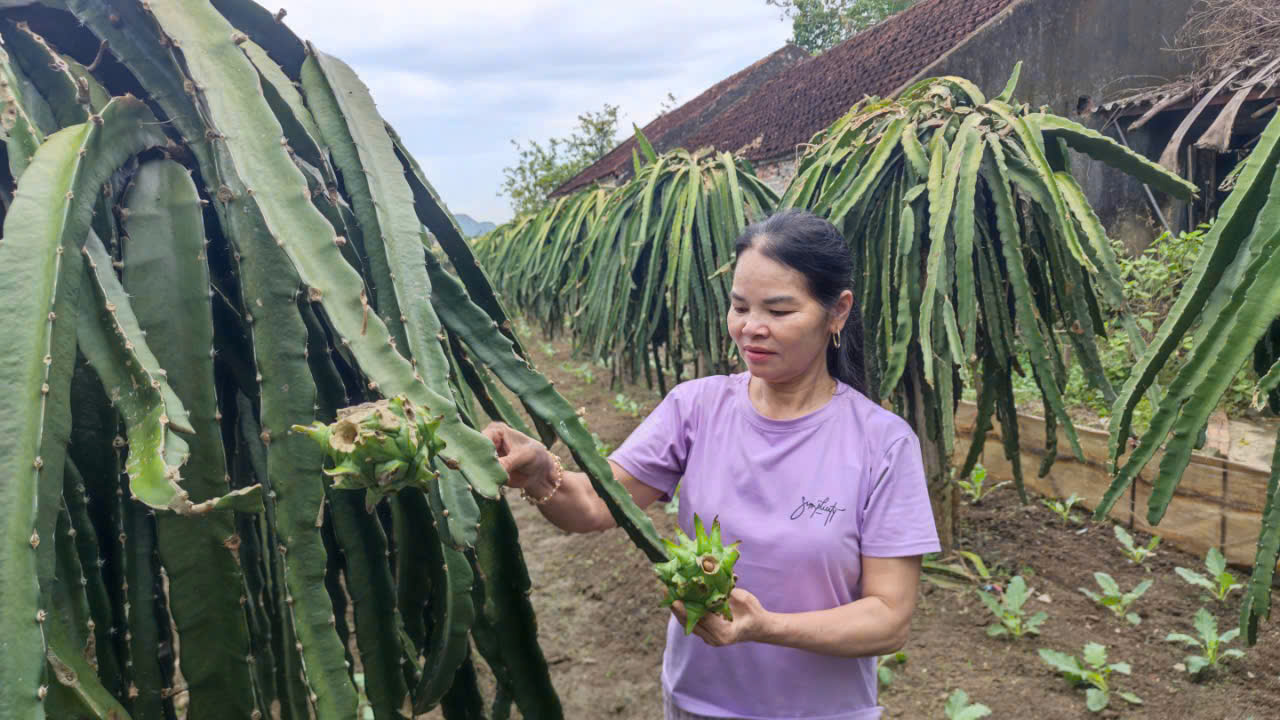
780 329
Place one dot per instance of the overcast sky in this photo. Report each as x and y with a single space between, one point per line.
460 79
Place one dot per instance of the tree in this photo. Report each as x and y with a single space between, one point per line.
819 25
542 167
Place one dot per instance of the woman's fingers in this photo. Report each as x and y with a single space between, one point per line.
706 636
497 434
518 462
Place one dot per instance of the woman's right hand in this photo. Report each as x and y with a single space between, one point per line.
527 462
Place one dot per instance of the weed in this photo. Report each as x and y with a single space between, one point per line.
1118 602
1210 643
1136 553
959 708
1094 674
548 349
1009 611
1220 582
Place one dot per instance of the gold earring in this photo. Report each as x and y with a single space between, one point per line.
835 339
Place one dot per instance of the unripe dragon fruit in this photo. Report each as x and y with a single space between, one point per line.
379 447
699 573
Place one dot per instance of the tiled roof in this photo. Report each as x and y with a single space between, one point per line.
808 97
673 128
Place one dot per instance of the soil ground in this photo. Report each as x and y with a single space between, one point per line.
602 628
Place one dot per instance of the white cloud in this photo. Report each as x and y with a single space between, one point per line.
459 80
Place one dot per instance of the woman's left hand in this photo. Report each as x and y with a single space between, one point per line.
748 618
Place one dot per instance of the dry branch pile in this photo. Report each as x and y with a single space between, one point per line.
1235 46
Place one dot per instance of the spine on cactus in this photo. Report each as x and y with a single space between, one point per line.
151 689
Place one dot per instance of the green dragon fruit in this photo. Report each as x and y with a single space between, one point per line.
699 573
379 447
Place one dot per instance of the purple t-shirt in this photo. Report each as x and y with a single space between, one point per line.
808 497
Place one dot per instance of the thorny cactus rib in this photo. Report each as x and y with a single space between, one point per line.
43 232
166 275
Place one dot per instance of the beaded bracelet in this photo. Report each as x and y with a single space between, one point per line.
559 479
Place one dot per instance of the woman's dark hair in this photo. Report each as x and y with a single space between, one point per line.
814 248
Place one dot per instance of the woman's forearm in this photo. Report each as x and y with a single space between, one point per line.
868 626
575 507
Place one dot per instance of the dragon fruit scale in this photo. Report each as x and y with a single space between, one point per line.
380 447
699 573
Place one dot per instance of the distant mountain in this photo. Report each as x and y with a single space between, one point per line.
472 228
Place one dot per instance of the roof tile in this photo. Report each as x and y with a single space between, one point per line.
804 99
767 109
671 129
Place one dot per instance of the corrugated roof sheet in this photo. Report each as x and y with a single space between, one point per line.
672 129
808 97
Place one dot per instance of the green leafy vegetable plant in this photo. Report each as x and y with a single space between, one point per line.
1062 508
622 403
958 707
1009 611
885 665
1094 674
1210 643
1118 602
583 372
975 486
1220 582
1136 553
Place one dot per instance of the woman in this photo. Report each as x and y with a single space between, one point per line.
824 488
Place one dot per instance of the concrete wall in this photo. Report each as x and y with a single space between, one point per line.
1077 52
777 174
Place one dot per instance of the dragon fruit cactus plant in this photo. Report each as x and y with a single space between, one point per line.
699 573
212 246
380 447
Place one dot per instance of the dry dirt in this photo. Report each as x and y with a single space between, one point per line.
602 628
